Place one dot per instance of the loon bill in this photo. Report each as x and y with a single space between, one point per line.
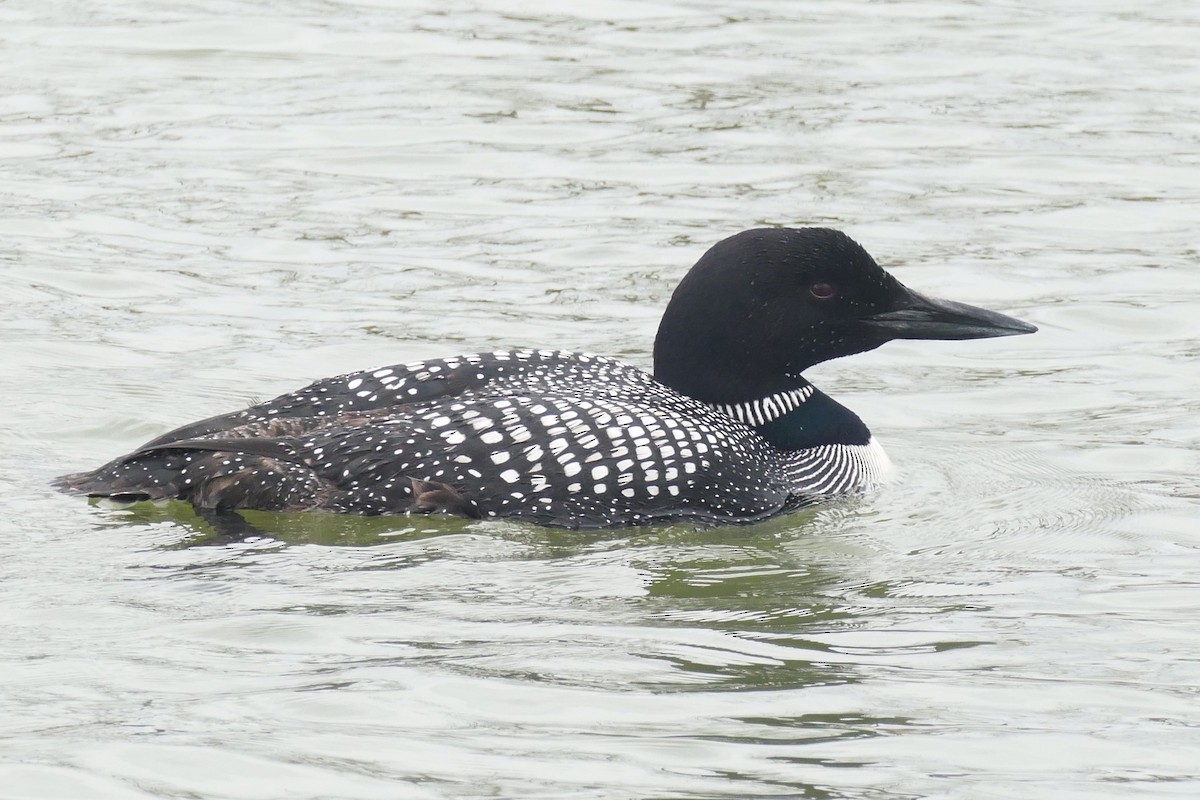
726 429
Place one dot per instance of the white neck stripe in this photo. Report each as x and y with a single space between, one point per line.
759 412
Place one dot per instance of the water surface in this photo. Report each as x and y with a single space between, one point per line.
204 204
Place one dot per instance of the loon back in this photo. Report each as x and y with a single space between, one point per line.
726 429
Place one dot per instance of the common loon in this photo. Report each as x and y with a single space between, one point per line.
726 429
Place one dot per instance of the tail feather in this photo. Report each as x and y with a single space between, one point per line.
207 477
140 476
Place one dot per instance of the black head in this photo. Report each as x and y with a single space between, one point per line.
763 305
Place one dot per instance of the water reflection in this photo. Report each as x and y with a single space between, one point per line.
720 634
767 607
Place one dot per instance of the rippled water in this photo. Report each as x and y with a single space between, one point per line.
206 203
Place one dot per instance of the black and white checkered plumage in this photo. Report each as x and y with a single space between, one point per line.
573 440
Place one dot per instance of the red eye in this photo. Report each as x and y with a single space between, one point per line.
822 291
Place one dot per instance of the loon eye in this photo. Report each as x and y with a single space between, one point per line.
822 290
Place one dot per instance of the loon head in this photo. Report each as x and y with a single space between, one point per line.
763 305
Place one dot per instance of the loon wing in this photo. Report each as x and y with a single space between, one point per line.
398 385
278 455
590 454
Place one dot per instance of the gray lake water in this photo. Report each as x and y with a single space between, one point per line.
207 203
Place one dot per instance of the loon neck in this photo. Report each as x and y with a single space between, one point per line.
799 418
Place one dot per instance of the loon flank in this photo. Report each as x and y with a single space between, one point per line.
725 430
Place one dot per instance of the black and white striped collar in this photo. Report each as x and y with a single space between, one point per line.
766 409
